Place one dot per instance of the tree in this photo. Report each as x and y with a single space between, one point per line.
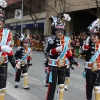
35 7
89 5
60 3
97 12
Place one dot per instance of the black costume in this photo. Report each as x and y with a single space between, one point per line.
91 49
6 54
92 75
22 56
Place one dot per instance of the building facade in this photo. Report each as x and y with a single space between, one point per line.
76 9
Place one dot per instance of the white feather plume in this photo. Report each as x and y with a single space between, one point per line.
3 3
95 25
54 23
67 17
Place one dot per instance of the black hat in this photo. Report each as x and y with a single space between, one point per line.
25 41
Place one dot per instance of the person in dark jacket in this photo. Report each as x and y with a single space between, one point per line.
23 56
91 48
59 56
6 54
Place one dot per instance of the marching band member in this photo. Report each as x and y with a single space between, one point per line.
60 55
91 48
23 56
6 54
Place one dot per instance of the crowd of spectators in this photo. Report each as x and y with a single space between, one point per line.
76 44
37 42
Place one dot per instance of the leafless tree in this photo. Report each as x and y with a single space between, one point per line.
91 4
61 4
35 8
97 12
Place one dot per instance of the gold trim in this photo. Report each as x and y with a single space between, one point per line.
2 59
2 96
94 66
25 80
67 81
97 93
23 62
61 63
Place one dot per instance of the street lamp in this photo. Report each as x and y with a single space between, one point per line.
22 19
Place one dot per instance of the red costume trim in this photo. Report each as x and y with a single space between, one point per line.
86 47
53 51
68 54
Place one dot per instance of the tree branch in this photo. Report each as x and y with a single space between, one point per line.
52 7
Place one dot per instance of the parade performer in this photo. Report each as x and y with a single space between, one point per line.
91 48
6 53
23 56
59 56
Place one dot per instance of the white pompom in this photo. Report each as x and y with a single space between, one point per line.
3 3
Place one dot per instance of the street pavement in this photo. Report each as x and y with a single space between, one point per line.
37 90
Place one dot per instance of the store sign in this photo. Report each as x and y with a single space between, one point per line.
9 2
40 25
18 14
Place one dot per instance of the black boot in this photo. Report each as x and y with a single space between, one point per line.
16 86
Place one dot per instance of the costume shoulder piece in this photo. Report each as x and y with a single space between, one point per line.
29 48
51 39
67 37
6 28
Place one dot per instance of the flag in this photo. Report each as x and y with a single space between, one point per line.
18 13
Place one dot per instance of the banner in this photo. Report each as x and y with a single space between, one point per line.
18 14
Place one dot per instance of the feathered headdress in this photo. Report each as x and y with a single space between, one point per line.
2 16
60 21
95 26
3 3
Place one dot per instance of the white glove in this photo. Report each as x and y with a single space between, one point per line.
87 40
59 49
6 48
18 63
